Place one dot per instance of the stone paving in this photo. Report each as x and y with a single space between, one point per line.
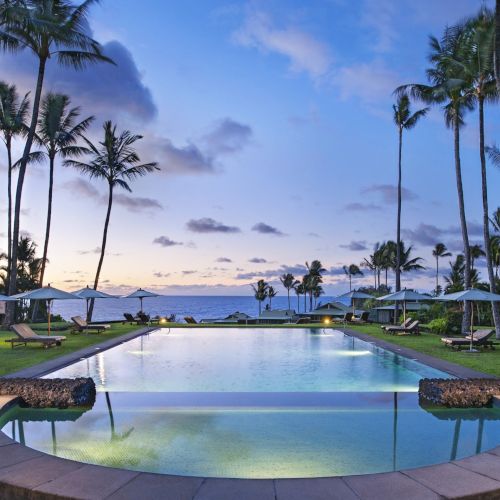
29 474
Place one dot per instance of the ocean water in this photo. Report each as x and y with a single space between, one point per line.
200 307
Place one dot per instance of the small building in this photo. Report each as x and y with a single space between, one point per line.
385 314
330 310
270 317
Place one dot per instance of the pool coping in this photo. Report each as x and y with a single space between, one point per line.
27 473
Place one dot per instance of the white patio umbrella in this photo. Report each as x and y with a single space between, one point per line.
48 294
141 294
353 295
471 295
88 293
404 296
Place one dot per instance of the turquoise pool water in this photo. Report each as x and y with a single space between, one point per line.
254 404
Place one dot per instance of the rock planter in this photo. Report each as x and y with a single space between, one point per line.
459 393
50 393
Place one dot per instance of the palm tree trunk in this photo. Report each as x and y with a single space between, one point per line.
463 221
497 44
288 293
9 316
49 218
437 273
350 283
103 250
310 300
298 303
260 306
398 230
486 219
9 208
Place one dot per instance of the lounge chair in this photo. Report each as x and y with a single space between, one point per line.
347 318
26 335
362 319
146 318
403 325
80 325
481 338
190 320
412 329
304 320
130 319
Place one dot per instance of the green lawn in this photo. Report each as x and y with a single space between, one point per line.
20 357
486 361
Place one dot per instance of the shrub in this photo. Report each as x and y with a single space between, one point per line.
454 319
439 326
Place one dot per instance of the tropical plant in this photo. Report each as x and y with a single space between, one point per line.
404 119
495 252
495 218
271 293
476 252
313 278
439 252
289 283
13 116
350 271
116 161
50 30
448 89
497 44
58 132
455 280
317 293
260 292
299 290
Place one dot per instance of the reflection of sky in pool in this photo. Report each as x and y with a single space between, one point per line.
245 360
257 435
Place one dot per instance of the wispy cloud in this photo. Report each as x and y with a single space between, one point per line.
257 260
227 136
223 260
389 193
209 225
429 234
165 241
362 207
378 16
355 246
263 228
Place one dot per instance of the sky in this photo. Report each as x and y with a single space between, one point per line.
271 122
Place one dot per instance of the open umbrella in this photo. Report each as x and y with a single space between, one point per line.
353 295
7 298
471 295
404 296
141 294
88 293
48 294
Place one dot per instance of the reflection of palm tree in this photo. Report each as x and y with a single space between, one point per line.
456 435
394 431
114 435
480 428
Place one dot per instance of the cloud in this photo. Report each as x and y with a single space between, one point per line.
257 260
189 272
95 250
131 203
227 136
378 17
159 274
270 274
104 89
165 241
389 193
355 246
362 207
208 225
429 234
223 259
264 228
304 53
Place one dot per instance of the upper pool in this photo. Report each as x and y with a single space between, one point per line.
249 360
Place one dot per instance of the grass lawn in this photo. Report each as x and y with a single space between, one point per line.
20 357
487 361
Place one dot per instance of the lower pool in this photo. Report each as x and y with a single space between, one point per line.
254 404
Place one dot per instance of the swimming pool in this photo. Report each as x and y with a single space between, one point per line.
254 404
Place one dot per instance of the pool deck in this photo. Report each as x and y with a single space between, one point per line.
30 474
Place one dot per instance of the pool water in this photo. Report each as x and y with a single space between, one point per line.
254 404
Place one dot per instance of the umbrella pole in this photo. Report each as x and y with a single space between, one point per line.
472 326
87 318
141 304
48 313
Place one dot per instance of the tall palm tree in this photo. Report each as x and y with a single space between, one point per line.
50 30
495 218
314 277
115 161
448 89
299 290
317 293
439 252
350 271
477 64
58 132
289 282
409 263
260 292
271 293
404 120
497 44
387 258
13 116
495 253
476 252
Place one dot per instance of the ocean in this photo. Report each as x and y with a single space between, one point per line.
200 307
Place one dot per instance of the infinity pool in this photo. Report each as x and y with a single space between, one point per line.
254 404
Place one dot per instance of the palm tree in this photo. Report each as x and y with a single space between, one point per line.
409 263
289 282
13 116
271 293
448 89
350 271
497 44
49 30
439 252
317 293
299 290
387 258
495 218
404 120
58 132
313 279
115 161
260 292
495 252
476 252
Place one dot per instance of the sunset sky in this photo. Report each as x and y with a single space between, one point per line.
272 124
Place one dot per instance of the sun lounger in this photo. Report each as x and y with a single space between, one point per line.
80 325
146 318
481 338
190 320
130 319
347 318
362 319
405 324
26 335
411 329
303 321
